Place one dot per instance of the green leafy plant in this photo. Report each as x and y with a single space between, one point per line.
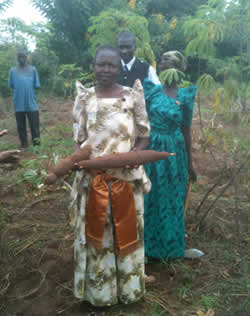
171 75
7 60
34 172
206 84
208 302
205 29
4 4
87 78
185 83
106 27
69 73
55 144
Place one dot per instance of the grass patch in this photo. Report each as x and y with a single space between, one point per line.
35 235
208 302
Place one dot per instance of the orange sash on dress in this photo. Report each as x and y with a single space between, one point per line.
123 213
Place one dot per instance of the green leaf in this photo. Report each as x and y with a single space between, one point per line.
171 75
31 173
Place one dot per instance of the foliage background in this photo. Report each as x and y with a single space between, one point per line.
214 35
210 33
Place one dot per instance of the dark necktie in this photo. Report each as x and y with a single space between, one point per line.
125 68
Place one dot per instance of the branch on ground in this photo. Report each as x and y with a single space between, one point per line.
230 182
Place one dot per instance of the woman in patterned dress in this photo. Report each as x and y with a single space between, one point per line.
170 111
113 119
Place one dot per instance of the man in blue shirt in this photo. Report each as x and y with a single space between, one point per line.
23 79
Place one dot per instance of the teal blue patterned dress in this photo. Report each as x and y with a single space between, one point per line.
164 205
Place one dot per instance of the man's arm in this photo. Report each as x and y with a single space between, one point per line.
36 79
152 76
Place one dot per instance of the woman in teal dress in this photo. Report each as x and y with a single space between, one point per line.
170 111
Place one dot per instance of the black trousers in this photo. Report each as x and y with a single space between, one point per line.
34 124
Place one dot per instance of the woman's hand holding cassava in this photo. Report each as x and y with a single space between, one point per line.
135 166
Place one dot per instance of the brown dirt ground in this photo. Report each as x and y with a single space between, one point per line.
36 244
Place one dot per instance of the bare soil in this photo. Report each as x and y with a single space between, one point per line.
36 241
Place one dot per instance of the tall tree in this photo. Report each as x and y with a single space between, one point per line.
4 4
69 21
170 8
15 31
106 27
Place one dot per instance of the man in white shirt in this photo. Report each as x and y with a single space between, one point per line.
131 67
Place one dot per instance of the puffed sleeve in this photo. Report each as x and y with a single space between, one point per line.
150 90
188 107
141 117
79 115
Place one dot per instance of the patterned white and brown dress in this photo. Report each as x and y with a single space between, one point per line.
110 125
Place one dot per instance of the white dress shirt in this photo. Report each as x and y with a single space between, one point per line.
152 76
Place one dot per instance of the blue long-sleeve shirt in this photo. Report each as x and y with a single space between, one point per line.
23 82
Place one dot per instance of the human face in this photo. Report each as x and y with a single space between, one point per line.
166 63
127 48
107 67
21 58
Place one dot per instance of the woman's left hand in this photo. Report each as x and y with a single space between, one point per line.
192 174
135 166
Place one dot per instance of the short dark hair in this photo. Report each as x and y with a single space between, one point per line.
127 35
108 47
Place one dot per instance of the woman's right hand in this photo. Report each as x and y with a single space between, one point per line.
132 167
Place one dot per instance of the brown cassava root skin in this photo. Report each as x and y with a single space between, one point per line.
65 165
120 160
